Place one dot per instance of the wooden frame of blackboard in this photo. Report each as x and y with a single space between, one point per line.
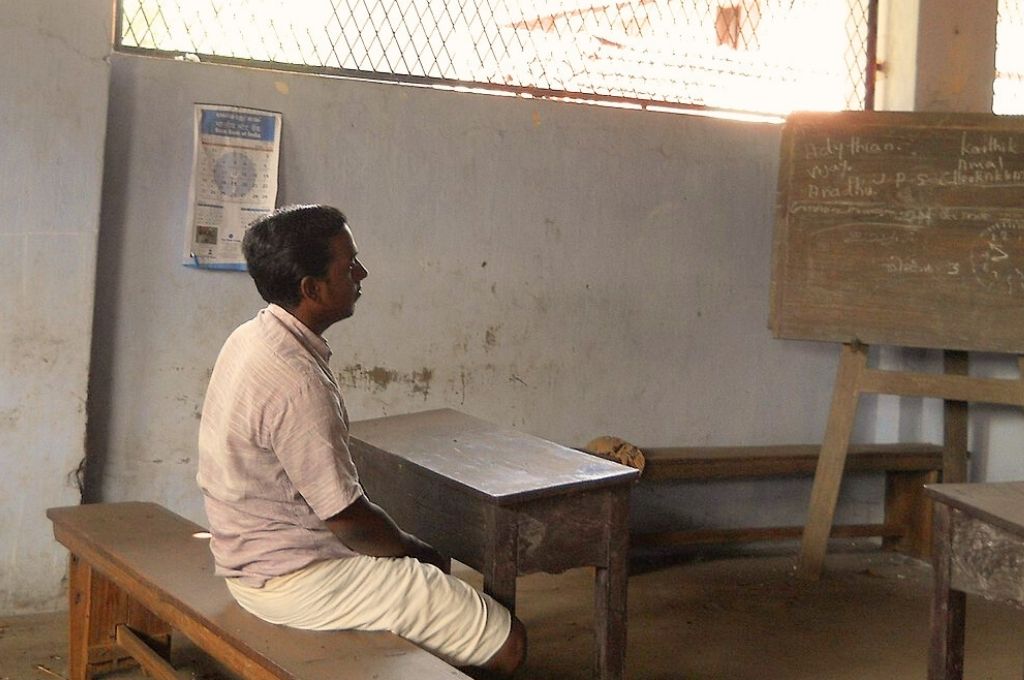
902 229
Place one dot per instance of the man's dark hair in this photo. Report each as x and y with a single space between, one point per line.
288 244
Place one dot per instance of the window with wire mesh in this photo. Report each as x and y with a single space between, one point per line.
1008 89
767 56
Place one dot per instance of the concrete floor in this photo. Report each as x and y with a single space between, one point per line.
727 618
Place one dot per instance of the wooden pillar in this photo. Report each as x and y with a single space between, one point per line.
936 55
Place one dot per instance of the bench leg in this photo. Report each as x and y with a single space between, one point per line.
95 607
907 506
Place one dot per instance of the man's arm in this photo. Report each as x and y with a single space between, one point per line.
366 528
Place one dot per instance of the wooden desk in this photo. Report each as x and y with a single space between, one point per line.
978 549
505 503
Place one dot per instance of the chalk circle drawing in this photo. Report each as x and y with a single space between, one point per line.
234 173
997 257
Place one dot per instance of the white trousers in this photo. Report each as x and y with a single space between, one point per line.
419 602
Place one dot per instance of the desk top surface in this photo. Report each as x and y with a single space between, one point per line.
505 466
999 503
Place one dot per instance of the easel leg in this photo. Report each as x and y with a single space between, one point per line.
954 455
829 473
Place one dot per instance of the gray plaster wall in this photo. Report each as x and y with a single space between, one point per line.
53 100
564 269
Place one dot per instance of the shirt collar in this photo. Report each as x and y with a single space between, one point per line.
311 340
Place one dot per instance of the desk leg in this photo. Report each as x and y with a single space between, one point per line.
946 655
610 587
501 563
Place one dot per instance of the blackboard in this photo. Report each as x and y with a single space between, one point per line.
901 229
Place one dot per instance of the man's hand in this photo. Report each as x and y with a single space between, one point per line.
368 529
425 552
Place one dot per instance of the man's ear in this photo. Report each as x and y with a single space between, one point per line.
309 287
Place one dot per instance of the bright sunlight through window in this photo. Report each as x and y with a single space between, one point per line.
759 56
1008 90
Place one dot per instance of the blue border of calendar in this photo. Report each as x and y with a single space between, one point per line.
229 266
238 124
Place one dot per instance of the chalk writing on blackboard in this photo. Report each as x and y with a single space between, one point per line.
901 228
997 257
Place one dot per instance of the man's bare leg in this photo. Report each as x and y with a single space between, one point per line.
507 659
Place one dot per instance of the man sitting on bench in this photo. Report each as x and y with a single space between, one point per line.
294 535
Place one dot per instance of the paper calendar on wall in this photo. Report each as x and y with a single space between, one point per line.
234 181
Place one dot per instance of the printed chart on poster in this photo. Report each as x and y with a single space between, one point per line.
234 181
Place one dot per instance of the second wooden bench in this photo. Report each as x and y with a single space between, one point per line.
907 467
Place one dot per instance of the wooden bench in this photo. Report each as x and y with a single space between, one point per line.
907 467
138 571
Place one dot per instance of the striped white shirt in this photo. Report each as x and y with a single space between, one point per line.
273 451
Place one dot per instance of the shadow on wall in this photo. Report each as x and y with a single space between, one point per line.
109 258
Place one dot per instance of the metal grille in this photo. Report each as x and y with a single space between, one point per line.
766 56
1008 89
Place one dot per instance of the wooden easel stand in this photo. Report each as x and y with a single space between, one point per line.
853 378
